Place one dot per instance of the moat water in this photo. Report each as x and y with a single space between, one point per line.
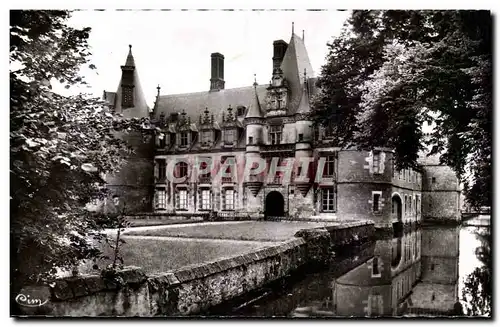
425 272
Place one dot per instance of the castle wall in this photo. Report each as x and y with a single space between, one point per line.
440 194
133 183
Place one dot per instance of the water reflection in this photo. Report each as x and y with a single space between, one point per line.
414 274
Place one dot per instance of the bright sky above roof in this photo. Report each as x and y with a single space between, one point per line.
172 48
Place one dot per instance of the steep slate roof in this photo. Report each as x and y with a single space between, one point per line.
141 108
293 65
294 62
217 102
130 58
304 106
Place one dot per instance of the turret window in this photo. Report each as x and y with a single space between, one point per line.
127 97
250 140
275 132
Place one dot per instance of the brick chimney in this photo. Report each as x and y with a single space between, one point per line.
217 79
279 49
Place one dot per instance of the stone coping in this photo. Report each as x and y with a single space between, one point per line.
131 276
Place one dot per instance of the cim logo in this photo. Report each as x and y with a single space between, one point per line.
32 298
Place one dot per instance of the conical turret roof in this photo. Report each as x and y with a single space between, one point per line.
255 110
130 58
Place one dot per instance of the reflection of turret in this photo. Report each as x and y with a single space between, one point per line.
381 285
437 293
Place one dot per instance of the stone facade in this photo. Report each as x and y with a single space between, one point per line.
261 122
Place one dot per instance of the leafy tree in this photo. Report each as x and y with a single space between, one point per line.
60 147
390 71
477 290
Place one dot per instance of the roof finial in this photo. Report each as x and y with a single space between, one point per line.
293 28
130 46
158 88
303 38
255 80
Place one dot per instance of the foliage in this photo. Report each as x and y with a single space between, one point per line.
60 146
403 68
478 286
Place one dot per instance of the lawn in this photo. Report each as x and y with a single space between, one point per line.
271 231
160 222
156 255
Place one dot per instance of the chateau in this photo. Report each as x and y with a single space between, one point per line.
262 122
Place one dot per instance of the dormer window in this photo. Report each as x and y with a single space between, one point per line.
229 136
206 137
184 138
241 111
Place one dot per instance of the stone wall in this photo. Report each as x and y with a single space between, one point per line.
192 289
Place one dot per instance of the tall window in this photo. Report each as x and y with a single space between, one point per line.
329 169
181 169
161 169
375 268
228 199
229 136
203 166
230 161
162 142
184 139
376 162
417 204
409 204
206 196
206 137
172 139
182 203
376 195
328 199
160 199
275 132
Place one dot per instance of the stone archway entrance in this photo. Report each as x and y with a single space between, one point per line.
274 206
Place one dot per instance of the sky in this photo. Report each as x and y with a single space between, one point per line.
172 48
